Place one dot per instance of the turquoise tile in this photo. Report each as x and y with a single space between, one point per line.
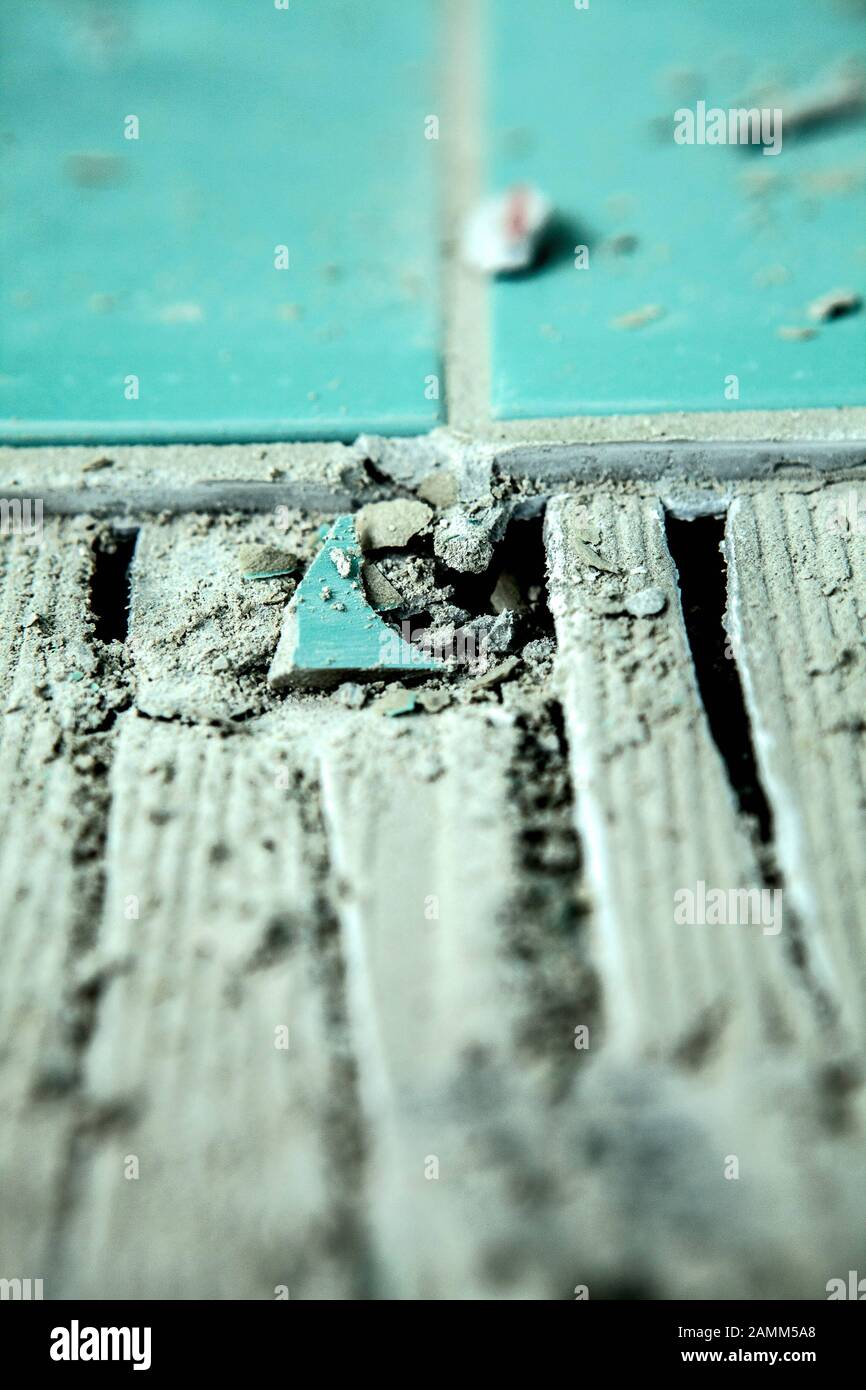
330 632
731 244
154 258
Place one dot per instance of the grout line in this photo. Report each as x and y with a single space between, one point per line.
466 295
144 482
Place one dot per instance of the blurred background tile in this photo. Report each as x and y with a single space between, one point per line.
701 253
154 257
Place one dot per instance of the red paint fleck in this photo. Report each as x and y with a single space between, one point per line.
517 213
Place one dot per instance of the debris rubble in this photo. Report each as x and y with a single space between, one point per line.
496 675
835 305
380 591
796 333
505 233
439 489
638 318
646 603
266 562
840 98
434 700
383 525
341 561
494 633
352 695
465 542
590 556
396 701
506 594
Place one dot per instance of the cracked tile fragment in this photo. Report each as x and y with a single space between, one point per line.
330 632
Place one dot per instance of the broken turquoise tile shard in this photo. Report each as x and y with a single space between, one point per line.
330 633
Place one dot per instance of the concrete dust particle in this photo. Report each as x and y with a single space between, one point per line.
352 695
624 244
826 182
496 634
433 700
621 205
757 183
589 556
101 303
380 591
381 525
506 596
681 81
496 675
94 168
539 653
186 312
341 562
793 333
835 305
639 318
465 542
771 275
395 702
646 602
414 578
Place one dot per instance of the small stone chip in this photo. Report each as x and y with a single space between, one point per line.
94 168
439 488
589 556
390 525
464 542
539 652
506 596
639 318
505 233
396 701
265 562
380 591
497 674
352 695
341 562
434 700
835 305
646 602
794 333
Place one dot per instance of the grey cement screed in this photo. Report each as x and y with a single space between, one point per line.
190 863
428 909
